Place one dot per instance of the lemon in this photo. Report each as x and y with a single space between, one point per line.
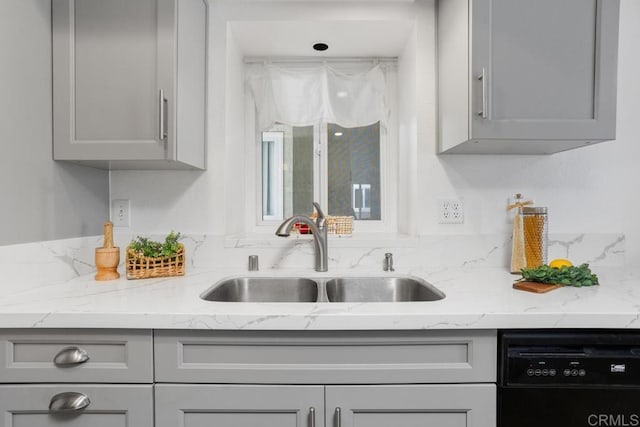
559 263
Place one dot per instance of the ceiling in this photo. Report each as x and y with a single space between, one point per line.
348 38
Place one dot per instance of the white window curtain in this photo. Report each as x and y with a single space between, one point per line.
307 95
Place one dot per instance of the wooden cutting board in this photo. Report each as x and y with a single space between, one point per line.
538 288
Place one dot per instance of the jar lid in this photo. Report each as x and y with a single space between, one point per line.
534 210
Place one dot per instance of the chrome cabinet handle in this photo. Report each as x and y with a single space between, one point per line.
485 106
71 356
312 417
69 401
338 417
162 128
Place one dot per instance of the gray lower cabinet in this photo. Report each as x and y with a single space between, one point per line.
308 378
526 77
129 83
111 378
442 405
108 405
76 378
198 405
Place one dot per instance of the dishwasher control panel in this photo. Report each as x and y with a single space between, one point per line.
560 368
570 357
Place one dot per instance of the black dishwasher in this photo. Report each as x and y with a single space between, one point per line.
569 378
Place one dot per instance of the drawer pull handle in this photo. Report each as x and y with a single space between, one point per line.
71 356
69 401
338 417
312 417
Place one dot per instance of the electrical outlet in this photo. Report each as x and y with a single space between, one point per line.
450 211
120 213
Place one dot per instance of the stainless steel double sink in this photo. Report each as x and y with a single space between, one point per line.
339 289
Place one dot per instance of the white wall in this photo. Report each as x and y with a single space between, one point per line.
590 190
39 198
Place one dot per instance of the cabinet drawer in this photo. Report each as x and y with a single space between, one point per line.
63 356
325 357
106 405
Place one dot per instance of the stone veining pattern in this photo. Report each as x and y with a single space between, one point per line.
50 284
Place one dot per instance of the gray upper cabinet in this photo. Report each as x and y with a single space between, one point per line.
129 83
526 77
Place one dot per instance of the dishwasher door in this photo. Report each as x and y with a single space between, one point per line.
568 407
569 378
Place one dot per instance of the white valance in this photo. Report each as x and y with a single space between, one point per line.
304 96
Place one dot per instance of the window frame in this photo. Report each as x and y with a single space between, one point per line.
277 139
389 153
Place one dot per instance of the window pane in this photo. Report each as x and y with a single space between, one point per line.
287 171
272 145
354 171
302 172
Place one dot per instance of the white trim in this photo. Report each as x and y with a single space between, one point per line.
289 60
321 184
389 184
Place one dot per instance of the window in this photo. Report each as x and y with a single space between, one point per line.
272 174
337 154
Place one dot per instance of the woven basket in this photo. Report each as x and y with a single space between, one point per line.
337 224
142 267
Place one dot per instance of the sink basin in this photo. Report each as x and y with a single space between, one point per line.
342 289
263 289
381 289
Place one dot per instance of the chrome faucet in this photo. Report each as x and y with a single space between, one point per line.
318 229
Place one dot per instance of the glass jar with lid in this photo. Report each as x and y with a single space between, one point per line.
535 230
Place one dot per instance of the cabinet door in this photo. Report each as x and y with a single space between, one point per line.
411 406
548 69
109 406
239 406
111 61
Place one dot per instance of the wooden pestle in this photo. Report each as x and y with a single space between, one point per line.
108 256
108 235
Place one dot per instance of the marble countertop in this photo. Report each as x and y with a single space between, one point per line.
476 298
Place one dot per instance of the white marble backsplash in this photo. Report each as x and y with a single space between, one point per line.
48 263
424 253
51 262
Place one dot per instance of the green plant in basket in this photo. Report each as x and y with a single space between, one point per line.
565 275
143 246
